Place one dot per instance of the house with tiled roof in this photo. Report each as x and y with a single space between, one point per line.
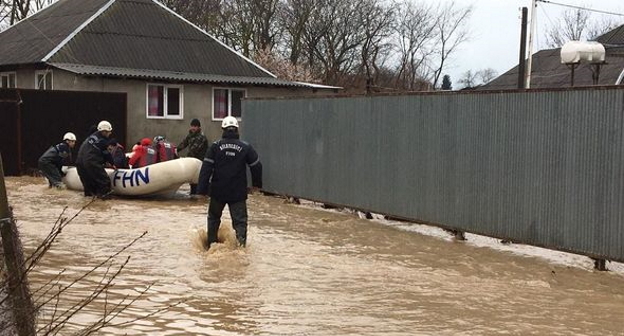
547 71
171 70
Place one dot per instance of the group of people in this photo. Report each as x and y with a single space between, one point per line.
223 174
93 156
147 152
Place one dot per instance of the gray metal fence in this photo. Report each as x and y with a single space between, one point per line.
540 167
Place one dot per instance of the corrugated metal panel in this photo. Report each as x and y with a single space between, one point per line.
543 168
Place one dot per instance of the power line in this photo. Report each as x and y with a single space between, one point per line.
579 7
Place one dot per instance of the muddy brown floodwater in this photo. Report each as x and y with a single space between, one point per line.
306 271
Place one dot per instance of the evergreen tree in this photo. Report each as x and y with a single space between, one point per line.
446 83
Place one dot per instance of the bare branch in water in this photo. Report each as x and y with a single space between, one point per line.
49 294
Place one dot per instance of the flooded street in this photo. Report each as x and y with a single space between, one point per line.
307 271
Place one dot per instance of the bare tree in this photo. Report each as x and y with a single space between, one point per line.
295 17
203 13
576 25
570 27
414 32
267 29
599 27
246 26
468 79
13 11
340 36
451 32
283 68
486 75
376 25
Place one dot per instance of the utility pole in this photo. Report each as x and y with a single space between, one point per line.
522 55
531 36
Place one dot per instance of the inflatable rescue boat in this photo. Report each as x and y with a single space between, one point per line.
159 179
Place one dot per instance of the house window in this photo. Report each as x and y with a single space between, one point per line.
164 101
7 80
43 80
227 102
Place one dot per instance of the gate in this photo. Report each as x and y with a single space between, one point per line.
33 120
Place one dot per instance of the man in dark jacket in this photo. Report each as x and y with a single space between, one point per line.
197 144
92 156
51 162
223 177
118 152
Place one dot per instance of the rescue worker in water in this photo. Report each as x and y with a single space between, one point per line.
223 177
51 162
92 156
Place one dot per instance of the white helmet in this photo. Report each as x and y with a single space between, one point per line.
104 126
229 121
69 136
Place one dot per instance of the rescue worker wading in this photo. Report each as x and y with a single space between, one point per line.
51 162
223 177
92 156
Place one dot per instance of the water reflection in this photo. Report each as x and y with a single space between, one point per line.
308 272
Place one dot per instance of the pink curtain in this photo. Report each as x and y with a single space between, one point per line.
220 104
155 100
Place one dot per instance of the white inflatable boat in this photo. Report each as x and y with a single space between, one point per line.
159 179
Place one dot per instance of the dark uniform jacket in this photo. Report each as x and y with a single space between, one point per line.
223 173
94 151
196 143
58 155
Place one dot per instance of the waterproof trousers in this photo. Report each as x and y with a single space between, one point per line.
238 212
94 178
51 172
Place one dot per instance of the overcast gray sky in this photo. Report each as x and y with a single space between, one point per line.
495 30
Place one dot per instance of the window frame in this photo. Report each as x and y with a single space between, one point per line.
8 74
166 114
229 103
45 74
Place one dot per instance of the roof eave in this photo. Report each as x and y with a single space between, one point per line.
148 74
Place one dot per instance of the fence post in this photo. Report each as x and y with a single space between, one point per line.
20 300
